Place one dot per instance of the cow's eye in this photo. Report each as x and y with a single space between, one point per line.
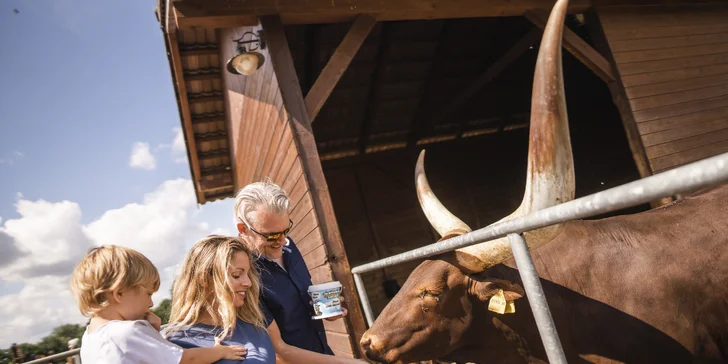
428 293
425 309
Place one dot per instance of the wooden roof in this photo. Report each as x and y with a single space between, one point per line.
400 86
194 57
411 83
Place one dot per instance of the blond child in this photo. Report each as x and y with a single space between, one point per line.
114 286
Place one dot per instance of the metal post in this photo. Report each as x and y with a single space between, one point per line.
537 299
364 299
50 358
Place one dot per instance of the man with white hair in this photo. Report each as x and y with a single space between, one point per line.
262 218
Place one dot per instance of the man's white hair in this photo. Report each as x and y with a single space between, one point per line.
266 195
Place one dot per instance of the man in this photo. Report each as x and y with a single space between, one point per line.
262 218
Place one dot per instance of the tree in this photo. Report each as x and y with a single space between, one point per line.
56 342
163 310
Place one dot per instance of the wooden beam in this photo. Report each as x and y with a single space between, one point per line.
422 112
492 72
228 14
282 61
374 88
170 33
337 65
578 47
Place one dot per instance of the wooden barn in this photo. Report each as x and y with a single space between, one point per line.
349 92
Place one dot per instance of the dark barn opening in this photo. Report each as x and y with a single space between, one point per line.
406 90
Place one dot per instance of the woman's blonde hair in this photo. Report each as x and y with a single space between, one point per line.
108 268
203 286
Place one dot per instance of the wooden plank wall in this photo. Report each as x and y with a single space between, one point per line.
673 62
263 146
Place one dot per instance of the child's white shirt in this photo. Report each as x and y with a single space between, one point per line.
126 342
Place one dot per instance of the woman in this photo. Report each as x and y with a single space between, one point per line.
215 298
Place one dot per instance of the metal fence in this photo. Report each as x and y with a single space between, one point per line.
688 178
60 356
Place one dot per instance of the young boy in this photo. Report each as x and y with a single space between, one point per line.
114 286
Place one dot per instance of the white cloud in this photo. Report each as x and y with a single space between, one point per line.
178 148
141 157
223 231
178 145
42 304
158 227
41 246
12 158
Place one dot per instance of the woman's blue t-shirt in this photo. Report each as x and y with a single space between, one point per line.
256 340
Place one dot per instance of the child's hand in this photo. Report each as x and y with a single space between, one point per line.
154 320
231 352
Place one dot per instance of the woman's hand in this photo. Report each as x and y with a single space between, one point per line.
154 320
230 352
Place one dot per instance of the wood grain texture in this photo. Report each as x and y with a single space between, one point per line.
228 14
674 64
337 65
323 212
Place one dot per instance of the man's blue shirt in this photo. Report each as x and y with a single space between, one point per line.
284 298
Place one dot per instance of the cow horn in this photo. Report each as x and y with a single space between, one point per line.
445 223
550 177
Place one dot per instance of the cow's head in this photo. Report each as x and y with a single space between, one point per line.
431 315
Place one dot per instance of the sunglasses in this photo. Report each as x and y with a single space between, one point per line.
270 236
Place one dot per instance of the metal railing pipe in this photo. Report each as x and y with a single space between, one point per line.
537 299
364 299
683 179
62 355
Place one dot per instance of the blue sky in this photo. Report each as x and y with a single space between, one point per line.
83 82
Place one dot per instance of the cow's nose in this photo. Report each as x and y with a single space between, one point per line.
370 342
372 347
365 342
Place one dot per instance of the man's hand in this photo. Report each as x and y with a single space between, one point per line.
154 320
345 312
334 318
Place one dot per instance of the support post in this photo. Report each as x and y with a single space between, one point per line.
300 124
537 299
337 65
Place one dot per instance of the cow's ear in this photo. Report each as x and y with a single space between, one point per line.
484 289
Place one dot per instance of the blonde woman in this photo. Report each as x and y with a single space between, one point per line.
216 297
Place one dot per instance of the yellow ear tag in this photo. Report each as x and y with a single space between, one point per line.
498 304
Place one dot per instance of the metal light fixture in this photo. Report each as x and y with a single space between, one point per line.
246 61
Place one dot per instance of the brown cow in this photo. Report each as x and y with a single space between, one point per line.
642 288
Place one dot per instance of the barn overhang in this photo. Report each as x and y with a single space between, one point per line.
192 38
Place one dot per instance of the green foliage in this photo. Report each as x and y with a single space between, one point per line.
163 310
56 342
